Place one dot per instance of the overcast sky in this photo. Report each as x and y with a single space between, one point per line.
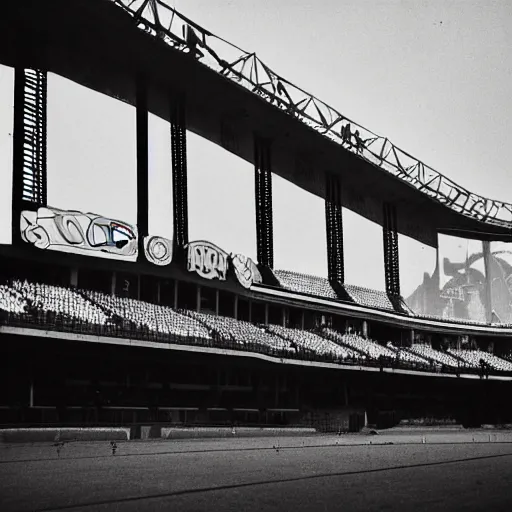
434 77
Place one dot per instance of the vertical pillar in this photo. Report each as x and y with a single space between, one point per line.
486 246
179 174
198 298
113 283
235 308
29 144
142 164
263 193
176 291
217 302
73 277
31 393
334 230
365 329
391 260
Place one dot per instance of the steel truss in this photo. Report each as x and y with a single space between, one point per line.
263 201
334 229
29 173
391 258
163 22
179 172
142 164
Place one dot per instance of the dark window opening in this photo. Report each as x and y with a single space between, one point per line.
258 312
167 292
275 314
127 285
149 289
208 300
187 295
226 304
294 318
96 280
243 309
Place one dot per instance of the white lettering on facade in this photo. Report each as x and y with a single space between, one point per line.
208 260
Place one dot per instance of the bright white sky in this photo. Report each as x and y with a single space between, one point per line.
434 77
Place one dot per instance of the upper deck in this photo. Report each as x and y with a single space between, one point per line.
230 95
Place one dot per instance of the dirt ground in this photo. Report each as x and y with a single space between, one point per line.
400 470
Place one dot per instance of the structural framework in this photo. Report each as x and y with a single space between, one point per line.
164 22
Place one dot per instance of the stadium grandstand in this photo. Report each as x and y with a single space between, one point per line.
104 323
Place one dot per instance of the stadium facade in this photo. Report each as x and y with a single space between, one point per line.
103 322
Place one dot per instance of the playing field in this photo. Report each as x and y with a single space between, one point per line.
448 471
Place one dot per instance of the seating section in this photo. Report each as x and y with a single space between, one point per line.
60 301
240 332
320 286
313 342
454 320
435 356
365 346
32 302
473 358
304 283
12 301
156 318
369 298
406 355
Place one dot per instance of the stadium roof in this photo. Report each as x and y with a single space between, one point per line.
230 90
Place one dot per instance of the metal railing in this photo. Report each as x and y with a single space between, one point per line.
163 22
50 321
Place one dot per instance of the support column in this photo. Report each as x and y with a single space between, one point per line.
179 174
142 164
31 393
263 192
391 260
334 230
73 277
176 291
29 144
235 308
486 246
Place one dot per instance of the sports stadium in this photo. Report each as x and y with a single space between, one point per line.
149 364
105 323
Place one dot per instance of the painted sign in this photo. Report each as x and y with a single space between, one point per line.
246 270
208 260
80 233
158 250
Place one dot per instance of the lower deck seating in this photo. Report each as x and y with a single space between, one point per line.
154 317
310 341
364 346
33 303
404 354
11 301
60 301
241 332
435 356
473 358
